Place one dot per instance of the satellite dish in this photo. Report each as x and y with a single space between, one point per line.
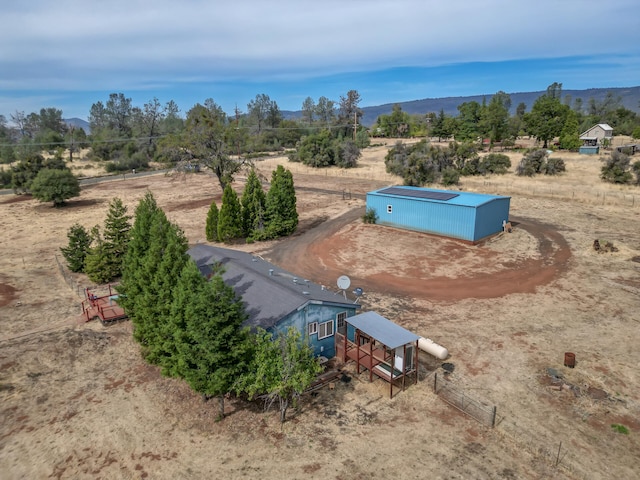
344 282
358 292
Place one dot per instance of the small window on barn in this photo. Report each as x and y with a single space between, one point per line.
389 208
341 317
313 328
325 329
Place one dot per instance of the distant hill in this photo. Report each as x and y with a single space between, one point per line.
78 123
630 99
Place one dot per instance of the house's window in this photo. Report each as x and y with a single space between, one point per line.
389 208
341 318
313 328
325 329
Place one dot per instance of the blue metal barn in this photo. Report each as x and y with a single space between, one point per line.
463 215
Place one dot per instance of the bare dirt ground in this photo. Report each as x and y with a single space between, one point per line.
78 402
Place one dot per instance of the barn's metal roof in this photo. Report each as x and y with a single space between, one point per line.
382 329
419 193
467 199
268 292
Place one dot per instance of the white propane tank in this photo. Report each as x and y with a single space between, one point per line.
432 348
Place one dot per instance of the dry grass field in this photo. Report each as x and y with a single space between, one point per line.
77 401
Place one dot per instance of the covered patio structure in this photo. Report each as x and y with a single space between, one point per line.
380 346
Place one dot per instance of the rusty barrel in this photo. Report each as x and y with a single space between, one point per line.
569 359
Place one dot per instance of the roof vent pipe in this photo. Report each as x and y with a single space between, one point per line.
271 272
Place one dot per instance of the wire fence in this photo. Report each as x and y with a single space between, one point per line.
69 279
550 454
590 196
483 413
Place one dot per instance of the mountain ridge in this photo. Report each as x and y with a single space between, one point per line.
630 99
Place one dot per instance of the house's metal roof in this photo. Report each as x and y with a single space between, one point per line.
382 329
604 126
268 292
451 197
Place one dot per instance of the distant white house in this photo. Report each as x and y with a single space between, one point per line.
596 134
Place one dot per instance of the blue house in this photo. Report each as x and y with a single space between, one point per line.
463 215
276 299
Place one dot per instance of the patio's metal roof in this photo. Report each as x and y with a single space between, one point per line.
382 329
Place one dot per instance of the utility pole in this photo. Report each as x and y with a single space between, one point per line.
71 146
237 132
355 124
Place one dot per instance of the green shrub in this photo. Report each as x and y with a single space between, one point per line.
450 176
495 163
553 166
55 186
5 177
370 216
616 168
620 428
471 167
538 161
636 170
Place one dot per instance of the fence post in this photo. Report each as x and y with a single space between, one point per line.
435 383
493 416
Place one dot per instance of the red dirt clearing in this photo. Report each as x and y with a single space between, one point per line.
326 252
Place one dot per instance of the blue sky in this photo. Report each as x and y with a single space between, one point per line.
70 54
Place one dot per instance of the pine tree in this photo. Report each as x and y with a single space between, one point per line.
211 228
116 237
213 350
188 291
78 247
230 218
282 216
145 302
170 266
97 260
253 206
130 285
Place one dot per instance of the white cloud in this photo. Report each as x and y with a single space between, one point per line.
84 44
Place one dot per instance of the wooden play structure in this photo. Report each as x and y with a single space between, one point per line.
380 346
103 307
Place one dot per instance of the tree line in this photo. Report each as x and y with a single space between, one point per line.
327 133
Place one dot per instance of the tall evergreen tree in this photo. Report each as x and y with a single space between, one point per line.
230 218
170 266
116 236
212 351
211 227
97 260
139 238
143 303
282 215
77 249
253 205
